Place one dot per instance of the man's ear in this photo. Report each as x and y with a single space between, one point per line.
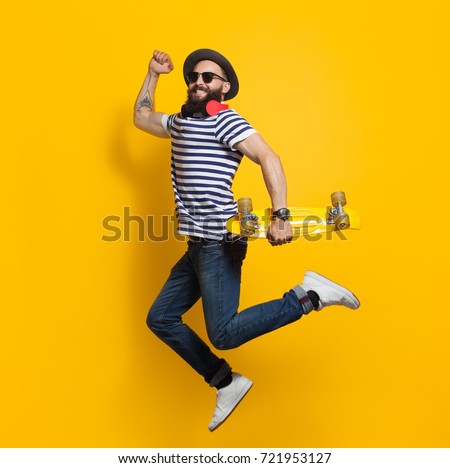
226 87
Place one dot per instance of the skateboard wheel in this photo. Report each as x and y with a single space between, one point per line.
338 197
248 227
342 222
245 204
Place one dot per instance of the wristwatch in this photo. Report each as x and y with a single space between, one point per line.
282 213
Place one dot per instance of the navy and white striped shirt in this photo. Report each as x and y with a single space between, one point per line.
204 163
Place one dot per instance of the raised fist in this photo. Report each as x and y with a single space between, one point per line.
160 63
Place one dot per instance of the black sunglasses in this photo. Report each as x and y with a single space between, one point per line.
207 77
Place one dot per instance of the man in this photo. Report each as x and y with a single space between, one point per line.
208 143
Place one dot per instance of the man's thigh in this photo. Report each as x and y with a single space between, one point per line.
220 281
179 293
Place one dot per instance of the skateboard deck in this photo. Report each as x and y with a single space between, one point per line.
305 221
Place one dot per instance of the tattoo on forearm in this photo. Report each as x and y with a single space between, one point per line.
145 102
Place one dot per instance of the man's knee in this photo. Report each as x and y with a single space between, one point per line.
221 341
160 322
154 321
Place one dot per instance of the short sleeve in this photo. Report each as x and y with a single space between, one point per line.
167 122
231 128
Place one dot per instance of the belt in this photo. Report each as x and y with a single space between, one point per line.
203 240
228 237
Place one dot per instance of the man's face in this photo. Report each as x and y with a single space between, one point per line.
201 91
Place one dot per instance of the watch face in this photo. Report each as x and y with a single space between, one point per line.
282 213
285 214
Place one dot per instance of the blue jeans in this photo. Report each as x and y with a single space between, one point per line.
212 270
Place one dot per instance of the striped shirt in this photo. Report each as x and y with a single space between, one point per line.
204 163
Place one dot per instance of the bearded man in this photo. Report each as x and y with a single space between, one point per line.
209 141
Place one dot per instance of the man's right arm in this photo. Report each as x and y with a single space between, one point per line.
145 117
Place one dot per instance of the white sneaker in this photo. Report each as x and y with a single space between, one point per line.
228 398
329 292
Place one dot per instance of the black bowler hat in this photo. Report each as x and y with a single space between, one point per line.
208 54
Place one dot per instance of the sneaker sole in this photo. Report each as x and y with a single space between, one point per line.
337 287
235 404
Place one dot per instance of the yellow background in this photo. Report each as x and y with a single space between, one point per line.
351 95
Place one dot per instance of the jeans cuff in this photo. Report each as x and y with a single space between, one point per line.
304 299
220 374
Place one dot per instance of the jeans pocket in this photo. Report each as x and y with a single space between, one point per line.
239 252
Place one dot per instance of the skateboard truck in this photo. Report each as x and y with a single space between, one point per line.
248 221
336 215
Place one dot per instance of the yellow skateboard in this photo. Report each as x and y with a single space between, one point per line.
306 222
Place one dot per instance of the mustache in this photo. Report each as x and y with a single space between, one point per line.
199 87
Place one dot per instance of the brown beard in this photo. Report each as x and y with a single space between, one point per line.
194 106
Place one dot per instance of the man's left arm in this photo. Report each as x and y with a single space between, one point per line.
255 148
